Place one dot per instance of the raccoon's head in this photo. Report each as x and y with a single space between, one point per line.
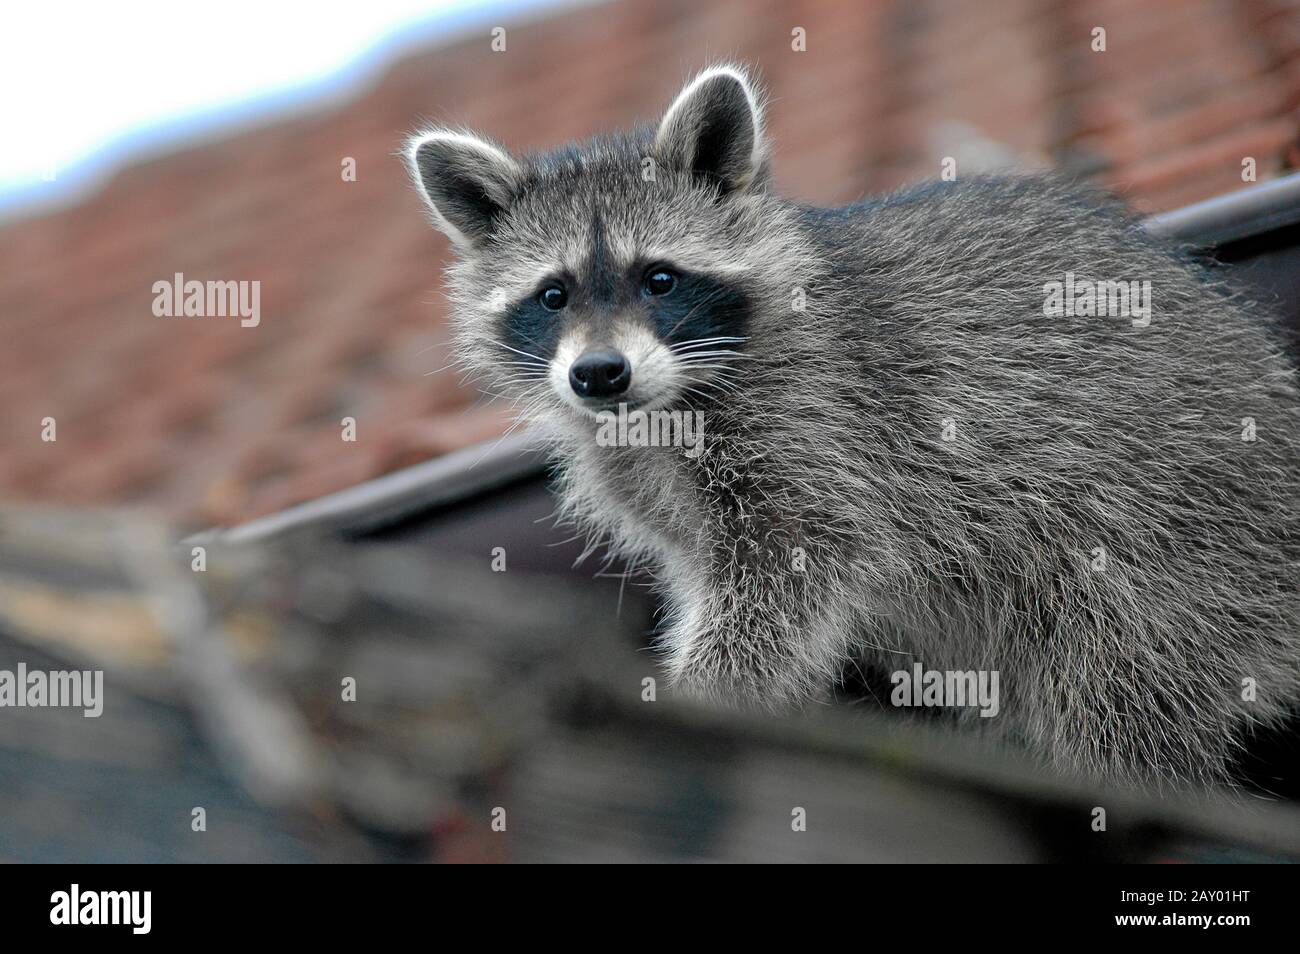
627 269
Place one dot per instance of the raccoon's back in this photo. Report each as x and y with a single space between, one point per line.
1188 413
1027 446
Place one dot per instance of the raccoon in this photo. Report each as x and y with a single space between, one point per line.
912 453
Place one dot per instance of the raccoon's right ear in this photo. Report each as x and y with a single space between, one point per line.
466 181
714 128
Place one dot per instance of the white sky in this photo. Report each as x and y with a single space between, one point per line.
88 82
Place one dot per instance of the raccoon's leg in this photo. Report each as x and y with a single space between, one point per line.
756 633
1137 703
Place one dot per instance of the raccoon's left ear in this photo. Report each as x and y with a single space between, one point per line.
468 182
715 129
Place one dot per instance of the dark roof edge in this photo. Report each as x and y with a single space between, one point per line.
445 480
1257 210
385 500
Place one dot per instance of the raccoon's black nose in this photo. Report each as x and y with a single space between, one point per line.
600 374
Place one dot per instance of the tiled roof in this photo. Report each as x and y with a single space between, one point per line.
215 423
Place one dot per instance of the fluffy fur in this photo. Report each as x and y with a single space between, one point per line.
829 519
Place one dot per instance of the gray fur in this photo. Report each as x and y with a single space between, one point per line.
825 433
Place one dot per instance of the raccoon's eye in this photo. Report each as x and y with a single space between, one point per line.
660 281
553 298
